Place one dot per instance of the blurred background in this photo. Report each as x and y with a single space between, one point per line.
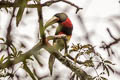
89 26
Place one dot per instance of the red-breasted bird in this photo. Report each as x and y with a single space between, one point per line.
65 25
65 28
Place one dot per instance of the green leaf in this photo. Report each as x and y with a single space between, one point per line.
14 50
19 15
102 73
98 65
72 77
103 66
110 68
85 46
89 63
51 62
31 58
6 9
19 53
106 61
20 11
2 59
2 39
75 59
103 78
89 51
77 78
94 77
107 70
27 69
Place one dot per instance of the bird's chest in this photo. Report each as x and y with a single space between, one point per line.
64 30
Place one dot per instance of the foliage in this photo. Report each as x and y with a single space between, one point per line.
85 56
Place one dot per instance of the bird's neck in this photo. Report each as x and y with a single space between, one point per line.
67 23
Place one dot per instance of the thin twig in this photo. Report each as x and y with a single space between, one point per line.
48 3
111 34
4 4
116 40
40 19
108 46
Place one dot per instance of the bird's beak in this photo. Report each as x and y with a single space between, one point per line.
51 21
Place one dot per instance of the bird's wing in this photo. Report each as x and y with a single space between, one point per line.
58 30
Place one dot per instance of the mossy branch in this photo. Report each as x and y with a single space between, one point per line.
52 50
78 71
22 57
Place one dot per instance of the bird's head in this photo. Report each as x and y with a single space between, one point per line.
57 18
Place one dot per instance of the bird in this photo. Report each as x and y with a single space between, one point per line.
64 28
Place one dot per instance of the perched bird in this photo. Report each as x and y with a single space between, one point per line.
65 27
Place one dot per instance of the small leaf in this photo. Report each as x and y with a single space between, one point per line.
75 59
6 9
102 73
72 77
89 63
27 69
12 55
107 70
51 62
89 51
2 59
19 15
110 68
94 77
103 78
106 61
103 66
20 11
85 46
98 65
2 39
31 58
77 77
19 53
14 50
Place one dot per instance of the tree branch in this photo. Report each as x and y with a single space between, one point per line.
78 71
4 4
40 19
48 3
116 40
22 57
111 34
